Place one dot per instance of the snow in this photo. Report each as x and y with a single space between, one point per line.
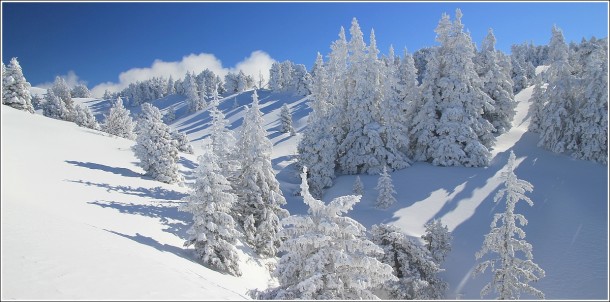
79 221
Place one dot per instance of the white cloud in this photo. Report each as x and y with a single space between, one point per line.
258 60
71 79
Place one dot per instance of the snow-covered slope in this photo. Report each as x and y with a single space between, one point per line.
80 222
103 224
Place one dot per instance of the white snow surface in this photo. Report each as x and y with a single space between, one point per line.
79 221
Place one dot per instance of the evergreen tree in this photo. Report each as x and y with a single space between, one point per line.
591 118
54 107
15 88
557 129
385 187
450 129
286 120
538 100
213 232
327 256
155 148
170 88
358 187
438 240
83 117
80 91
511 274
170 116
412 265
182 141
258 190
223 141
118 121
194 101
62 91
496 84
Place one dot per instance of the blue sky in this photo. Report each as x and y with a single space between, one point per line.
98 41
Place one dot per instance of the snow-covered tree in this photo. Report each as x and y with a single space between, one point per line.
223 140
170 115
170 88
591 118
182 142
275 77
286 120
317 148
449 128
213 232
62 91
258 191
511 275
80 91
327 256
363 149
107 95
230 84
118 121
496 84
557 129
15 88
438 240
155 148
54 107
194 101
83 117
385 187
358 188
538 100
412 264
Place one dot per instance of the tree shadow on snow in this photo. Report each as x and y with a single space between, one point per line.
115 170
153 193
175 222
155 244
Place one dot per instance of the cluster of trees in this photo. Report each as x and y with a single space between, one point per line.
235 194
525 58
238 82
15 88
58 104
287 76
329 256
370 112
570 100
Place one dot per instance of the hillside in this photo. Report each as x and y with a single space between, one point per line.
93 222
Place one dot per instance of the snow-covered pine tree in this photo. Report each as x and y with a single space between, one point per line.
538 101
170 89
223 141
213 232
385 187
83 117
182 141
591 118
363 149
518 74
192 96
438 240
327 256
317 148
557 129
62 91
275 76
170 115
412 264
496 84
358 188
286 120
258 191
510 274
54 107
80 91
107 95
118 121
230 84
15 88
408 95
155 148
450 129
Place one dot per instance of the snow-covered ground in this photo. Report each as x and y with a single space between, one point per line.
80 222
